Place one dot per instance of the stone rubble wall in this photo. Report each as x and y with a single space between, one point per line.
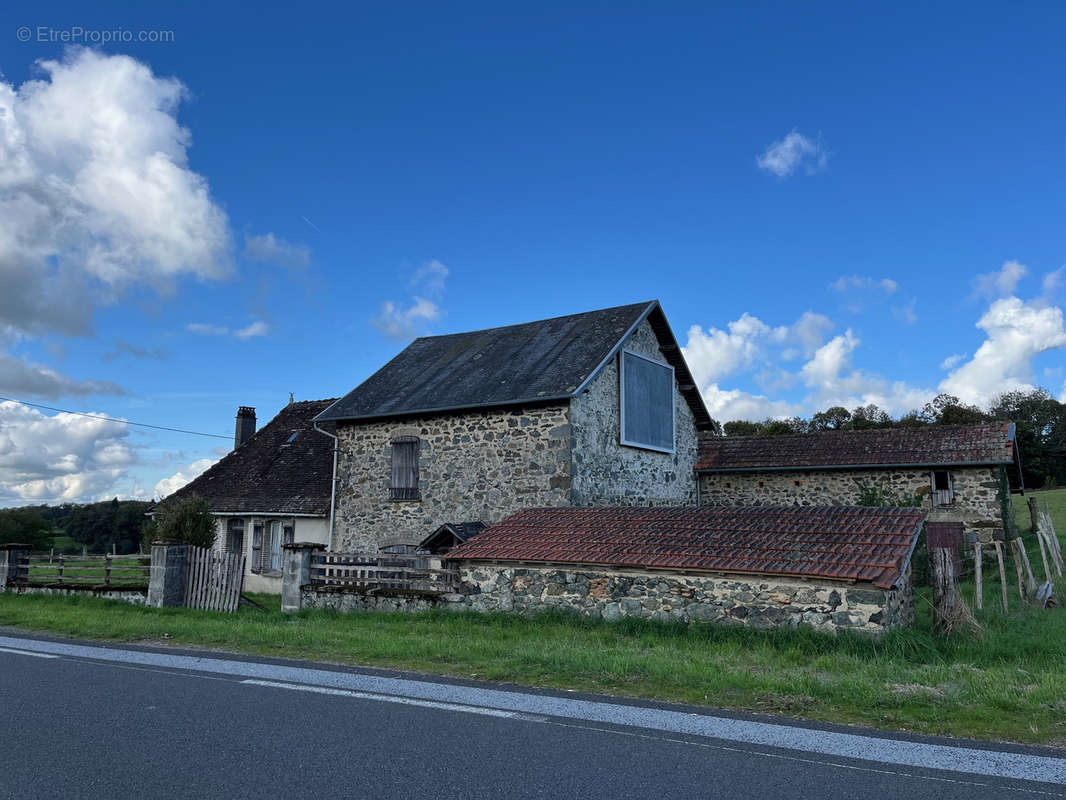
480 465
757 601
606 472
976 491
354 601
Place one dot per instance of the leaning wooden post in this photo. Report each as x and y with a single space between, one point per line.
1018 568
979 588
1034 513
1002 575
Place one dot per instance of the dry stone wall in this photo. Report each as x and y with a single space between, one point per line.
473 466
606 472
756 601
976 491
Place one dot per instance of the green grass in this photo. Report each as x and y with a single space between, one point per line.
1009 685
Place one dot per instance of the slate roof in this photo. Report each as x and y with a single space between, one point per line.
534 362
853 544
268 474
461 531
926 446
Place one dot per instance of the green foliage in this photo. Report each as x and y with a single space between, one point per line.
878 496
188 521
25 526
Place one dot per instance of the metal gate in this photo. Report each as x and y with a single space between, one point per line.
214 580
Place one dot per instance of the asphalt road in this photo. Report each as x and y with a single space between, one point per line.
81 721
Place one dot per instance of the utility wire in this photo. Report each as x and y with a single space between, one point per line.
112 419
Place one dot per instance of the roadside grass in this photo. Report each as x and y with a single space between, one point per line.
1008 685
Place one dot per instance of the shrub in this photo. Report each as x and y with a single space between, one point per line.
188 521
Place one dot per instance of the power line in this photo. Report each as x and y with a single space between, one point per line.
112 419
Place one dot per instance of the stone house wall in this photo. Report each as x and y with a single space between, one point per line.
478 465
606 472
976 491
135 597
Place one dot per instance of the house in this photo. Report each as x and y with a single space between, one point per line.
957 473
272 489
829 567
591 409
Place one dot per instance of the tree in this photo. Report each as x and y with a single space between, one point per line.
832 419
947 409
188 521
1040 432
869 416
25 526
741 427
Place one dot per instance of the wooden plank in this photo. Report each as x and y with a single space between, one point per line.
1002 575
1043 555
979 588
1018 568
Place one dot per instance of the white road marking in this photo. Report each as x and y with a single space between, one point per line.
392 698
866 747
26 653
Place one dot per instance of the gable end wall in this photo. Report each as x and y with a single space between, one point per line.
604 471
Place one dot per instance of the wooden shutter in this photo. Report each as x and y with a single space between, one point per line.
647 403
405 468
257 548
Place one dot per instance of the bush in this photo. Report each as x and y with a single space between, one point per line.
188 521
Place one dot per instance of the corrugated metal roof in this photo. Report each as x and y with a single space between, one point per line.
853 544
540 361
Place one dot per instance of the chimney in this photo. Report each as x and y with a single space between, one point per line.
245 426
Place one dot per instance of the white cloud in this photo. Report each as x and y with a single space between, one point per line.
846 282
1016 333
1001 283
794 152
168 486
257 328
402 321
1053 280
725 405
96 193
952 360
271 249
23 378
62 458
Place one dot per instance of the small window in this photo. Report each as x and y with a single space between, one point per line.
234 535
404 484
647 389
943 494
272 553
256 564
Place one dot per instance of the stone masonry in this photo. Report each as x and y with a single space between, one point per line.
605 472
486 464
976 491
756 601
479 465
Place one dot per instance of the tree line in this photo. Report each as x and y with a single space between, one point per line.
1039 418
97 526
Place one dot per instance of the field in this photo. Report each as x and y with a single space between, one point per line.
1008 685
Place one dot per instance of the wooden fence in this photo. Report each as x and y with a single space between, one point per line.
96 571
369 571
213 580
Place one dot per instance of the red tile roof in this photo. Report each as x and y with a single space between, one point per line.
929 445
854 544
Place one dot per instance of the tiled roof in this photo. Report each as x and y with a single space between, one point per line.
853 544
929 445
534 362
273 472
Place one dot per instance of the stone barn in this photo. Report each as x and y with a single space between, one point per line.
833 569
955 473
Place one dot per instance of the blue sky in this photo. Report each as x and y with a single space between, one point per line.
827 200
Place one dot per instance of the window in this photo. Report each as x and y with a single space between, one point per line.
647 403
272 557
288 534
257 547
234 535
404 484
943 494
